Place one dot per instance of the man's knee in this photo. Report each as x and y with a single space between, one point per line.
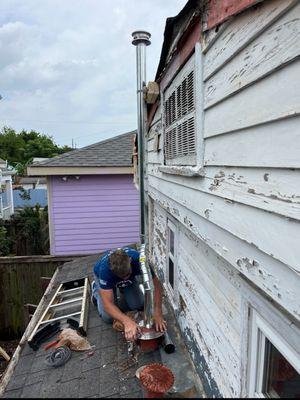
106 318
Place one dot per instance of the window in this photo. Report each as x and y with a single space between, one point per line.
274 364
171 273
180 118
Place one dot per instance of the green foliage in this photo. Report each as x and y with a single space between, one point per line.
25 194
20 148
4 242
32 223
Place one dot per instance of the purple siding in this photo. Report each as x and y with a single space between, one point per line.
93 213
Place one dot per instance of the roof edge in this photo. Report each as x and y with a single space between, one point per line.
44 170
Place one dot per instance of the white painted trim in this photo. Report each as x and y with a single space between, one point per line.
188 170
50 216
199 107
172 292
47 171
181 170
261 330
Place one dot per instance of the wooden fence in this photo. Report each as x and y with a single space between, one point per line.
20 284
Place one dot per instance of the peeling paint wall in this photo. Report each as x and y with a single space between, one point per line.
241 219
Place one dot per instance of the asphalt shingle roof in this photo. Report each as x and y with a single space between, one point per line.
113 152
109 372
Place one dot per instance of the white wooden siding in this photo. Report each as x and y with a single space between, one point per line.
240 221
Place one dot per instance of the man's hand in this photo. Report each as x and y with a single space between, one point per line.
131 330
160 323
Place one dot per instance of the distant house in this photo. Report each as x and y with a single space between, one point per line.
223 151
30 183
6 194
93 203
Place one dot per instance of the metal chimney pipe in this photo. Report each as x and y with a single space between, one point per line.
141 40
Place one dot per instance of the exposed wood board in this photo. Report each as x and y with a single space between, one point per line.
277 96
219 11
240 31
250 224
273 190
272 276
209 38
276 47
157 115
276 145
4 354
159 237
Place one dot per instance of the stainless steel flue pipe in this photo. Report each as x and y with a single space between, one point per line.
141 39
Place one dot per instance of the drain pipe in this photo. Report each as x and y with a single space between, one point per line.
141 40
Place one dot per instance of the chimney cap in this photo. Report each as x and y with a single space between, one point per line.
141 37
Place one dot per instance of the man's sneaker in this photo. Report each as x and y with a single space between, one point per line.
93 299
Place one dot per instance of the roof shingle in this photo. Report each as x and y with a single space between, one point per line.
113 152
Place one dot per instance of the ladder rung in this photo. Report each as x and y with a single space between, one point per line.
71 290
62 317
66 302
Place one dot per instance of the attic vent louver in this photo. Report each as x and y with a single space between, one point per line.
180 127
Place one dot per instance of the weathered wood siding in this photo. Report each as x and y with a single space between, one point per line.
92 214
241 220
20 284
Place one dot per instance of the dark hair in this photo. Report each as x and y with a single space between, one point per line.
120 263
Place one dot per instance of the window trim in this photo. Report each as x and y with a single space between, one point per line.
261 329
198 169
172 292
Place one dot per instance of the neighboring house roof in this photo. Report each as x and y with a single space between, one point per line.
28 180
115 152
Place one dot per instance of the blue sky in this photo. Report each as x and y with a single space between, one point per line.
68 66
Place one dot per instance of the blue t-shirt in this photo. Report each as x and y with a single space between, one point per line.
108 280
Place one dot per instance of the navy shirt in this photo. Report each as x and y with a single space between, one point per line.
108 280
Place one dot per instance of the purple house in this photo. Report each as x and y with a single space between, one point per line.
93 203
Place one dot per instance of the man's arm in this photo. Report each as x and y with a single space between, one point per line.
130 327
160 323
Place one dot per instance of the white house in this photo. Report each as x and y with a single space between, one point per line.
223 174
6 194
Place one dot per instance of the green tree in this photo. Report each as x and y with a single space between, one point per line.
20 148
4 242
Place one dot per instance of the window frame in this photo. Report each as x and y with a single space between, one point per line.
260 330
172 292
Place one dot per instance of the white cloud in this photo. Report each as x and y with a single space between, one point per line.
68 67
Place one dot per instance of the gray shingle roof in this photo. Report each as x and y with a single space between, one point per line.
113 152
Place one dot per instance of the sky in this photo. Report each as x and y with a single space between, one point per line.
68 68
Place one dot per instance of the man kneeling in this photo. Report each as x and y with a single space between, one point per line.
119 269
